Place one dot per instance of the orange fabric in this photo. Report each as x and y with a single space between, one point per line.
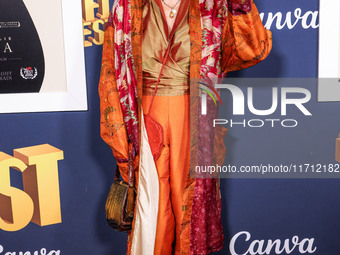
172 166
112 125
245 41
112 128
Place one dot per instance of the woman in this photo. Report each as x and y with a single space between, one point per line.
154 52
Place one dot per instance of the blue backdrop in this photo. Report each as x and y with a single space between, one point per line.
266 208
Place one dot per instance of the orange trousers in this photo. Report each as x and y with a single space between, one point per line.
173 114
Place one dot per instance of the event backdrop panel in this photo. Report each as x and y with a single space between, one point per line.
260 209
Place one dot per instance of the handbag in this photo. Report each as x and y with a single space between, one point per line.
120 201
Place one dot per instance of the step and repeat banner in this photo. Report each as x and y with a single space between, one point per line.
280 181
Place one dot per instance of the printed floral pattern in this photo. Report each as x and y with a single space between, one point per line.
120 18
206 226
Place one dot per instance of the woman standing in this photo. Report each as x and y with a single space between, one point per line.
153 53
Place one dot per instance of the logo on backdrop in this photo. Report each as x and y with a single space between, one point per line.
95 17
42 251
306 20
256 247
39 201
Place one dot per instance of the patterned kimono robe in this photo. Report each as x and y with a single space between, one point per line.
225 35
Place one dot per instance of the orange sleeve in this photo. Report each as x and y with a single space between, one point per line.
112 125
245 41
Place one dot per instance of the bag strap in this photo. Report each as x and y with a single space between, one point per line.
130 160
117 173
130 170
159 76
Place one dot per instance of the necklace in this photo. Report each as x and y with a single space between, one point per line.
173 11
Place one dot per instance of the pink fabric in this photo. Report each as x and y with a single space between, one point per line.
120 19
206 226
206 230
238 7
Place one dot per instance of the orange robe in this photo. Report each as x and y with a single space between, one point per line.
244 43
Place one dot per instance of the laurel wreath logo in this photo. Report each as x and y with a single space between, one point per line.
24 73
